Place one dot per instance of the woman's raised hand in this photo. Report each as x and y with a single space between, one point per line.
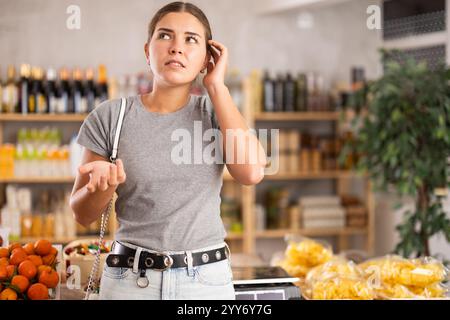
103 174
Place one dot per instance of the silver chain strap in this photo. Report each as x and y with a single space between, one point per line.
93 284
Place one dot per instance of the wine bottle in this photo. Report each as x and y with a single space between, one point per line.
63 91
33 89
79 98
102 85
24 87
50 90
290 93
10 92
302 92
279 93
89 89
268 93
39 92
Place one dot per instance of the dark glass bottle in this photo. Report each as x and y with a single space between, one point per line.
268 93
89 90
24 85
302 92
79 98
279 93
63 91
39 92
102 85
50 90
290 94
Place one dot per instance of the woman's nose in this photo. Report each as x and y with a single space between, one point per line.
174 50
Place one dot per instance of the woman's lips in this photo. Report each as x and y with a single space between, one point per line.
175 65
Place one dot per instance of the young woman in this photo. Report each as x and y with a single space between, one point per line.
170 241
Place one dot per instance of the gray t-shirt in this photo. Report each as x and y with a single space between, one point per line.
162 205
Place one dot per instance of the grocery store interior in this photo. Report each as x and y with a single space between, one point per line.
313 69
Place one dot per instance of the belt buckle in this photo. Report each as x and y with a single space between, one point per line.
168 261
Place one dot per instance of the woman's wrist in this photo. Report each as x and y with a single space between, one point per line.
216 88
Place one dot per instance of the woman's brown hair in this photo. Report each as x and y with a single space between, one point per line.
180 6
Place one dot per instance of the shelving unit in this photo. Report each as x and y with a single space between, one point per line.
245 241
341 179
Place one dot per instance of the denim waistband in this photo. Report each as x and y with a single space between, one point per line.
211 247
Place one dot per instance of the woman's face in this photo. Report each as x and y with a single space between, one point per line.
178 36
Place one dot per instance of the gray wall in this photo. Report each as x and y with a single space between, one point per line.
113 32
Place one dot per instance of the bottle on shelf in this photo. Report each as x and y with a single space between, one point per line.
268 93
302 92
39 91
279 93
290 94
24 87
51 91
89 89
63 91
102 85
10 93
79 97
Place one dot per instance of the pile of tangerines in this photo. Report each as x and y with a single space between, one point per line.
27 272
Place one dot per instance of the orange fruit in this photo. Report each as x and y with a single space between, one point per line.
13 246
3 273
20 282
49 259
10 270
4 253
37 291
53 251
42 247
17 256
8 294
29 248
27 269
4 262
37 260
43 268
49 278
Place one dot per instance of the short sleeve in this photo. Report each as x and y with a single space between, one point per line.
95 132
207 105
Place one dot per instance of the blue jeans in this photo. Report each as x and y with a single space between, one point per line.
212 281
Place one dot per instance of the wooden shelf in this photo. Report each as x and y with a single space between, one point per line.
315 232
234 236
298 116
23 240
17 117
313 175
38 180
63 240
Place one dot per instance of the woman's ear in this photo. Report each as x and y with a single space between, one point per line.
147 54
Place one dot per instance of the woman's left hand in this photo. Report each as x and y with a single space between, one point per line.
216 71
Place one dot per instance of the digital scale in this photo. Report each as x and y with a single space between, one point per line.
264 283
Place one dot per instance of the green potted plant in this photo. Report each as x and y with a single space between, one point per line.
403 143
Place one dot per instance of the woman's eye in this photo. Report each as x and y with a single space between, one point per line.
192 39
162 35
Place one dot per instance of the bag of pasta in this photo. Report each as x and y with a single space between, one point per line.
340 287
394 277
303 253
337 279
